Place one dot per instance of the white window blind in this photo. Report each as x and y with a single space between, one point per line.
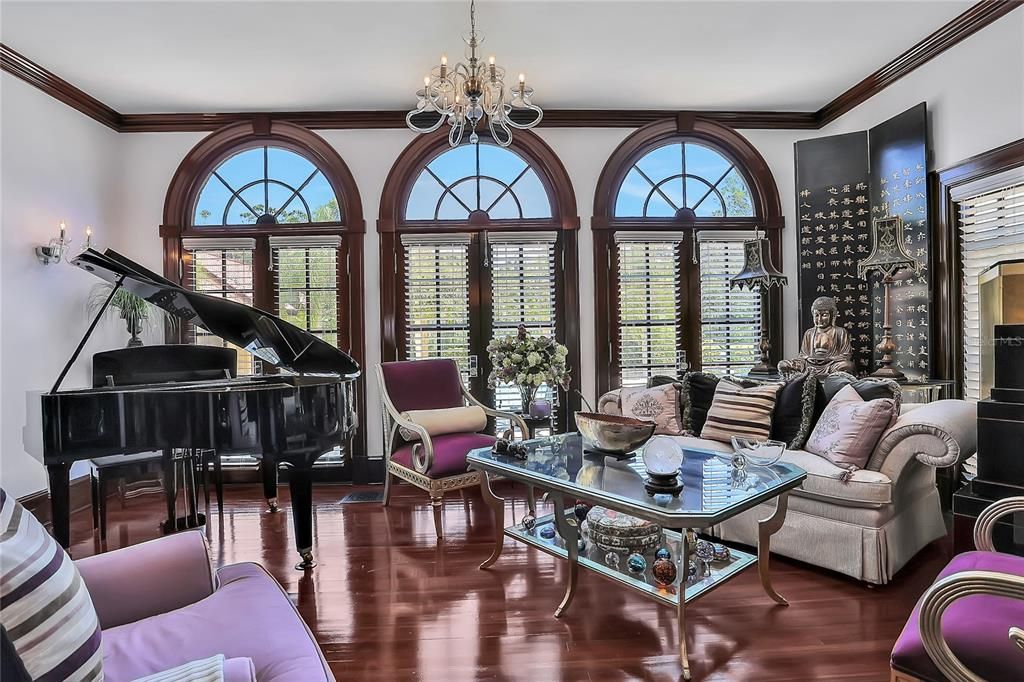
730 320
222 267
306 283
650 310
437 297
991 230
522 267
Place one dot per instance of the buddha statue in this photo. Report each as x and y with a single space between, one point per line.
825 348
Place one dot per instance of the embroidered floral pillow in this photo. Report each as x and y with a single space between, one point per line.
848 430
659 405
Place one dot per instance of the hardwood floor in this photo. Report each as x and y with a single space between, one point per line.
389 603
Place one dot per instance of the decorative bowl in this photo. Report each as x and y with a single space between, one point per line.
759 452
612 434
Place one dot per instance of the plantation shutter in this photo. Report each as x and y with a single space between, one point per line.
730 320
991 230
650 310
306 283
223 268
437 297
522 267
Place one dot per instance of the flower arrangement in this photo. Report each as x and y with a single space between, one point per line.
528 362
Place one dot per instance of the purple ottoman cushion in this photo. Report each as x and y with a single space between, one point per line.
974 627
249 616
450 452
239 670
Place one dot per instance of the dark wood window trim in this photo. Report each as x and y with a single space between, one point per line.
947 281
183 192
767 211
565 221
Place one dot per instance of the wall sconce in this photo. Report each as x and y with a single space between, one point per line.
54 251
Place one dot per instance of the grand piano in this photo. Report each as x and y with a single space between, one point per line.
292 417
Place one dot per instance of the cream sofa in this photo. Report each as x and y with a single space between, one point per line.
868 524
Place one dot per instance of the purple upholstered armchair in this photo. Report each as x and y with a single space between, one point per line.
436 464
160 606
969 625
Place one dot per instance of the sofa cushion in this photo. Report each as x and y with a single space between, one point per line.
793 417
450 452
738 411
659 405
249 616
46 610
974 627
848 431
869 388
826 481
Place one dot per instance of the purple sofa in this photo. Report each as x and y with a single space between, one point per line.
160 605
969 625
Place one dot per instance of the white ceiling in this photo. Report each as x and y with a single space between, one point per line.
141 57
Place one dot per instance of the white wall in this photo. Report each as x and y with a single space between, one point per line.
57 165
975 95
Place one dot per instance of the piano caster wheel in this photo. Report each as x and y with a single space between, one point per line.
307 561
272 504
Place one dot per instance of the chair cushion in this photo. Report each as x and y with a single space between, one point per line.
738 411
826 481
450 452
446 420
423 384
975 627
206 670
249 616
46 609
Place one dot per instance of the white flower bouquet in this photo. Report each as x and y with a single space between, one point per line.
527 361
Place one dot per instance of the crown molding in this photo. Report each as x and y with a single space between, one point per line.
963 26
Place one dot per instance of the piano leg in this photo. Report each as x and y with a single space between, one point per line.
268 470
170 491
60 502
300 483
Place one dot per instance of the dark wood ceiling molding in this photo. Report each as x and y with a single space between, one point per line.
53 85
962 27
965 25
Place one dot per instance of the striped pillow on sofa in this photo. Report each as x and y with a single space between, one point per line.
738 411
45 608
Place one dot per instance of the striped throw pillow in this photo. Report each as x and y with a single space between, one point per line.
45 607
738 411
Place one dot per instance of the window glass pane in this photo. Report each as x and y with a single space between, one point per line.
489 191
466 192
730 318
242 168
288 167
734 190
321 199
423 197
437 302
294 213
711 207
532 196
657 207
505 209
649 307
210 207
225 273
451 209
455 164
673 191
632 193
499 163
662 162
705 162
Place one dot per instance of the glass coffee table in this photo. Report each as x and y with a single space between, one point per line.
713 491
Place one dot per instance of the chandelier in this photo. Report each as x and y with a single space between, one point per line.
466 93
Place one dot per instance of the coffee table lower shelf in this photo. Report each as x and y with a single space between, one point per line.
596 559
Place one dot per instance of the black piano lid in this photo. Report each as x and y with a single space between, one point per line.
264 335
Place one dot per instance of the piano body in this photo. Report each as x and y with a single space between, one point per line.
292 417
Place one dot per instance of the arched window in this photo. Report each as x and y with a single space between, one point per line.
476 240
673 206
269 215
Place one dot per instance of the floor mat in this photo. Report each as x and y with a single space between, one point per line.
364 496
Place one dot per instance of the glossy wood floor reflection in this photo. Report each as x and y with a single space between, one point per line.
389 603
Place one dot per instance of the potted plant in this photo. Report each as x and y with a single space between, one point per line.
137 313
529 362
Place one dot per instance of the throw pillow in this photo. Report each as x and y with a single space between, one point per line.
659 405
849 429
469 419
738 411
46 610
869 388
698 391
793 417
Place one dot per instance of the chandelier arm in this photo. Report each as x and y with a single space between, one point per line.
420 129
505 139
526 126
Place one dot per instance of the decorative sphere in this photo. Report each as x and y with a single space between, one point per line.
664 571
663 553
547 532
705 550
662 456
612 559
636 563
580 510
722 553
529 521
